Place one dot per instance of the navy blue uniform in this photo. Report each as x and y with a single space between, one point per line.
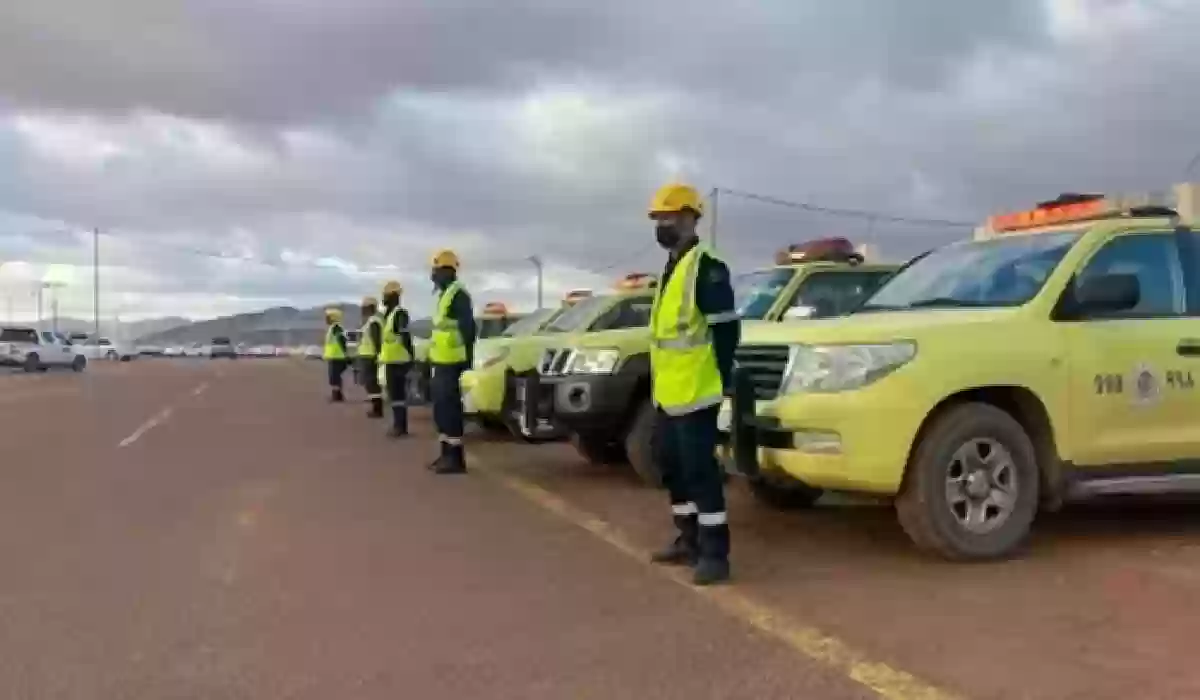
338 367
397 373
444 382
686 445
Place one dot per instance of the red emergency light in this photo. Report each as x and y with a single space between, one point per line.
1063 210
833 249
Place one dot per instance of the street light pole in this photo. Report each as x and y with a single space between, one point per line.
537 262
96 282
712 223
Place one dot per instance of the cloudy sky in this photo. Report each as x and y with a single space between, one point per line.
238 154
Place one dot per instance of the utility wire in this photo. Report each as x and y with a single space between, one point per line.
847 213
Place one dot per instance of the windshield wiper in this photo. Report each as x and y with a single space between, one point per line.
946 302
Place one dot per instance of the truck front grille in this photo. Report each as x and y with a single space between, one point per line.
766 365
554 361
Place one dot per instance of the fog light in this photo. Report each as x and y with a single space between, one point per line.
817 442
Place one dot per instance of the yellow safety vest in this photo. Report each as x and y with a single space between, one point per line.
333 349
446 346
684 373
366 343
393 351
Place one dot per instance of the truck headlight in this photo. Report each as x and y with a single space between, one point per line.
594 361
490 359
833 368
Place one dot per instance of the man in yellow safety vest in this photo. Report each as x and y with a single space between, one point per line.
370 338
396 356
695 331
451 352
335 352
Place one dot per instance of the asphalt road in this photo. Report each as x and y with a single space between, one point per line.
196 529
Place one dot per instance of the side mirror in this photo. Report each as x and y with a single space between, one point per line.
1109 293
800 312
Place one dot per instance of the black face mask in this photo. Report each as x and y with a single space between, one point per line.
667 235
441 278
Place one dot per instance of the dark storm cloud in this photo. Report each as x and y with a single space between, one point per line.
377 131
297 60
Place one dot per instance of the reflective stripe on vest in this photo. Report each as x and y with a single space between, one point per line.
685 377
366 340
333 349
446 345
393 351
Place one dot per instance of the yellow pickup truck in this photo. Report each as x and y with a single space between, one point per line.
1050 358
596 386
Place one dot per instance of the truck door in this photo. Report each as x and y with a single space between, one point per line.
1124 406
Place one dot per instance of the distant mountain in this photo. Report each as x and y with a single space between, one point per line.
284 325
122 331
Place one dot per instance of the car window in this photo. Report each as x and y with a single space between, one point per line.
834 293
1154 260
104 341
18 335
628 313
48 338
1190 243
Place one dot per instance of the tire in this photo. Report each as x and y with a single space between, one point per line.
639 445
784 494
78 363
33 363
924 505
597 449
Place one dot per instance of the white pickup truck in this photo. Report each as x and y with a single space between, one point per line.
34 351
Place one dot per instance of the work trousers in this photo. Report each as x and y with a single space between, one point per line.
447 401
397 391
686 452
336 369
368 374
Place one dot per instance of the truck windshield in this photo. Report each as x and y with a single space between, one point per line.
576 316
530 323
1007 271
491 327
754 293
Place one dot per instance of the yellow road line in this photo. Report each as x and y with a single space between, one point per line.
886 681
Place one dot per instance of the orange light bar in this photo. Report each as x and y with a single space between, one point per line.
1050 215
495 308
637 280
835 249
577 295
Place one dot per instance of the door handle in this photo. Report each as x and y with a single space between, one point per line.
1189 347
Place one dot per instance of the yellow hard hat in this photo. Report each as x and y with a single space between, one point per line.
392 287
370 301
333 314
676 197
445 258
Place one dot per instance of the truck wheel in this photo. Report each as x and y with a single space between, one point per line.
597 449
33 363
639 445
78 363
782 494
971 489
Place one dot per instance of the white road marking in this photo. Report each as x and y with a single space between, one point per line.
158 419
146 427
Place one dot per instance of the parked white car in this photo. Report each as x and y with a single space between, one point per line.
196 350
103 349
25 347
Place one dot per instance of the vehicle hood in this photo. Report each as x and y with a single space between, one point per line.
881 326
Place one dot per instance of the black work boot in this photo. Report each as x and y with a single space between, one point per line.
684 550
713 565
437 463
455 461
399 427
335 396
376 409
